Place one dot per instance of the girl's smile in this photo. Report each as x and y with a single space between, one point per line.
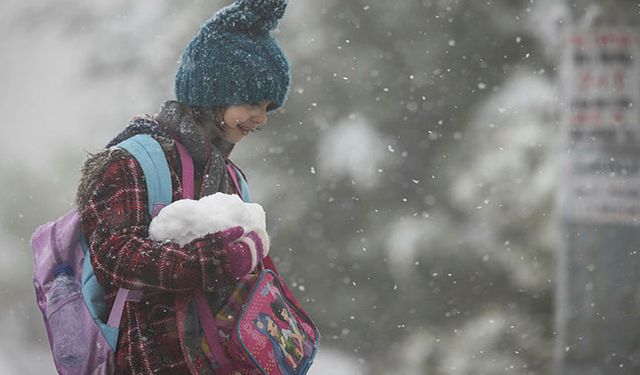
246 130
241 120
236 122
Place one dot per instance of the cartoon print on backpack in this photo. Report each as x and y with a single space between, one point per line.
297 339
292 346
287 362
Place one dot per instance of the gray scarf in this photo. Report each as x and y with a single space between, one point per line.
208 157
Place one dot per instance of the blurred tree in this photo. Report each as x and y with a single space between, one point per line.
396 263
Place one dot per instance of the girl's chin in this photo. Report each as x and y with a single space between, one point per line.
234 139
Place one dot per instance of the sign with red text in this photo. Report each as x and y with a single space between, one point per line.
600 115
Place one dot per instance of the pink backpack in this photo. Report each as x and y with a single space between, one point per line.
262 329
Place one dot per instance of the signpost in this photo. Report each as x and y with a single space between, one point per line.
598 297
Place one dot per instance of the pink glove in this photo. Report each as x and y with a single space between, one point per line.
231 234
245 250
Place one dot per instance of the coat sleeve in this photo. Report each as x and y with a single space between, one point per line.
123 256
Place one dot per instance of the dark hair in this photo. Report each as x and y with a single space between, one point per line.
213 114
277 306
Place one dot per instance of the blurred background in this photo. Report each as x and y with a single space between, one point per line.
409 182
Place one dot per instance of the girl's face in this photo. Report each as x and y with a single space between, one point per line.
241 120
272 328
285 314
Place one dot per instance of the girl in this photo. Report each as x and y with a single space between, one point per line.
231 76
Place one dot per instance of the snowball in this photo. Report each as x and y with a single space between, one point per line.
185 220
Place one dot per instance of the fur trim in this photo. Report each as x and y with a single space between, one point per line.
96 164
92 169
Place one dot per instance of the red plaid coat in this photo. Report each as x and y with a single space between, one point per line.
115 221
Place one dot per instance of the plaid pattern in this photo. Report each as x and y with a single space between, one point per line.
115 222
226 316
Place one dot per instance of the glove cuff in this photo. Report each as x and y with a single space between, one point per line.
262 241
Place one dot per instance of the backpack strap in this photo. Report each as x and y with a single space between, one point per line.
239 181
149 154
188 191
153 162
241 186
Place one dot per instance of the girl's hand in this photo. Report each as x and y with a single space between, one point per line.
245 250
232 234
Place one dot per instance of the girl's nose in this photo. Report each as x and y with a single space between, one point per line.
260 115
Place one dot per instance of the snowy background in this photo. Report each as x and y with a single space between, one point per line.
408 183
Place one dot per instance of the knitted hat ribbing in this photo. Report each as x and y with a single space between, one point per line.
233 59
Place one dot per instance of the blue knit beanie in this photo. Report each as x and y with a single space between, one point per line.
233 59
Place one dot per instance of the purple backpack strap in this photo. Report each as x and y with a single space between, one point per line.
124 295
234 177
238 181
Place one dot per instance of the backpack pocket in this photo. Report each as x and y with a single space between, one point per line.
260 330
82 348
70 344
271 334
55 243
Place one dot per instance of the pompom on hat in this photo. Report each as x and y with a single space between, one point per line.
233 59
